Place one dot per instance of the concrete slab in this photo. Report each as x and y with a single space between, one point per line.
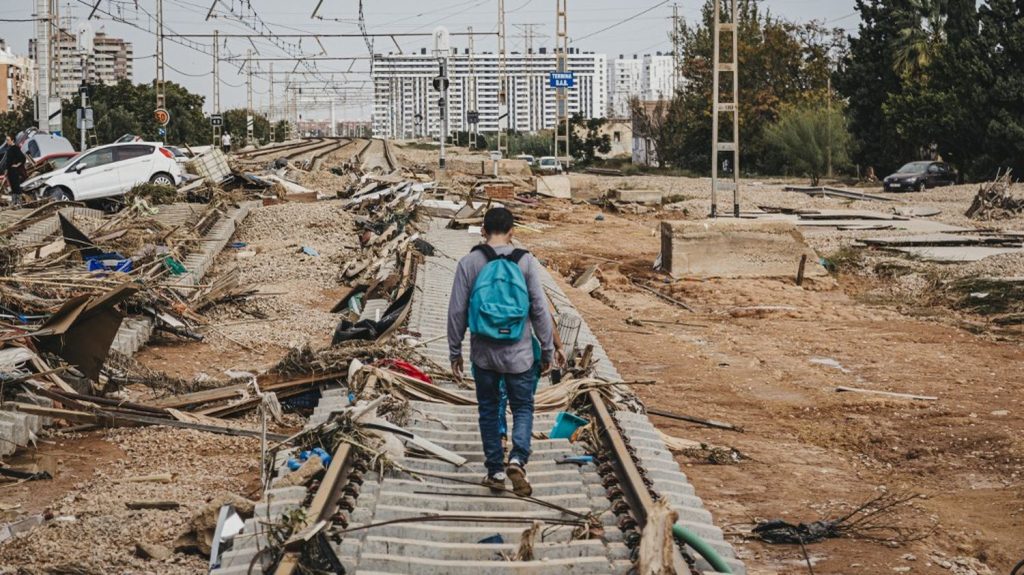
735 248
649 197
957 254
554 186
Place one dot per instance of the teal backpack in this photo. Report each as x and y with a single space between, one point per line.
500 303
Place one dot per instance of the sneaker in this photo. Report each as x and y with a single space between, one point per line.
520 484
495 482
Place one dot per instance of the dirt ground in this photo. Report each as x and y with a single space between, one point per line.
813 452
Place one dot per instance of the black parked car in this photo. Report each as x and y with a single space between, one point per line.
916 176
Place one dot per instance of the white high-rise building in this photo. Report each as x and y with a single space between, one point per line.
658 77
648 78
405 104
625 77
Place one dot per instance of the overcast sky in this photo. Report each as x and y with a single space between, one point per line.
597 24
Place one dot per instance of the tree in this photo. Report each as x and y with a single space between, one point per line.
16 120
781 63
805 136
235 121
867 77
124 108
1002 44
919 43
584 148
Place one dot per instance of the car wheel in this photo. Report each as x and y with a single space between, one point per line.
919 187
60 194
162 179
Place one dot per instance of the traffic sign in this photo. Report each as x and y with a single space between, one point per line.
216 120
562 79
162 116
441 83
84 119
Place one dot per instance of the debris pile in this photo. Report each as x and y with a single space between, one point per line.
995 202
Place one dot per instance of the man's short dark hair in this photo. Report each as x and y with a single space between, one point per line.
498 221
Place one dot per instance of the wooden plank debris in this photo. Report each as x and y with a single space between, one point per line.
844 389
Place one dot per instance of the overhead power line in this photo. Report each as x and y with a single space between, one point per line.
621 22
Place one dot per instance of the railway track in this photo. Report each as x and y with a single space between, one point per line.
430 516
294 150
377 155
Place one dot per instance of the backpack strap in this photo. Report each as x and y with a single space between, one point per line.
487 251
491 255
517 254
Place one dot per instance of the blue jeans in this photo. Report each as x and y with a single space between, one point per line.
520 388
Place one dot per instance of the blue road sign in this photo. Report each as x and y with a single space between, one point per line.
562 79
161 131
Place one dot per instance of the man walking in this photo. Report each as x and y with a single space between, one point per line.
225 143
498 295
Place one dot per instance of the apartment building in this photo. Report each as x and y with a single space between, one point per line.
651 77
100 59
406 105
17 78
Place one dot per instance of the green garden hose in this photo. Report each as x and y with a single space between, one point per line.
700 546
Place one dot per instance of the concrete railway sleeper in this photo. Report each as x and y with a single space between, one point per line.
425 515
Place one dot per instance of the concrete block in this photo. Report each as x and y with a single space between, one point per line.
735 248
648 197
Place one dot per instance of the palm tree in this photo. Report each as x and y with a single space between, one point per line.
918 44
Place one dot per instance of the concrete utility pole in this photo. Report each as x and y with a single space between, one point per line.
43 25
442 50
732 108
216 86
161 99
828 171
270 107
503 107
249 120
676 48
562 93
472 114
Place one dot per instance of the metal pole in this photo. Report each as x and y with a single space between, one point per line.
562 94
829 125
249 121
470 90
715 57
43 28
270 107
216 85
81 127
160 97
502 77
444 110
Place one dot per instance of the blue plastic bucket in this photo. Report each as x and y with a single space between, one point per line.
565 425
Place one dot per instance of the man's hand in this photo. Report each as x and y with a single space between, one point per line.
560 360
545 367
457 369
